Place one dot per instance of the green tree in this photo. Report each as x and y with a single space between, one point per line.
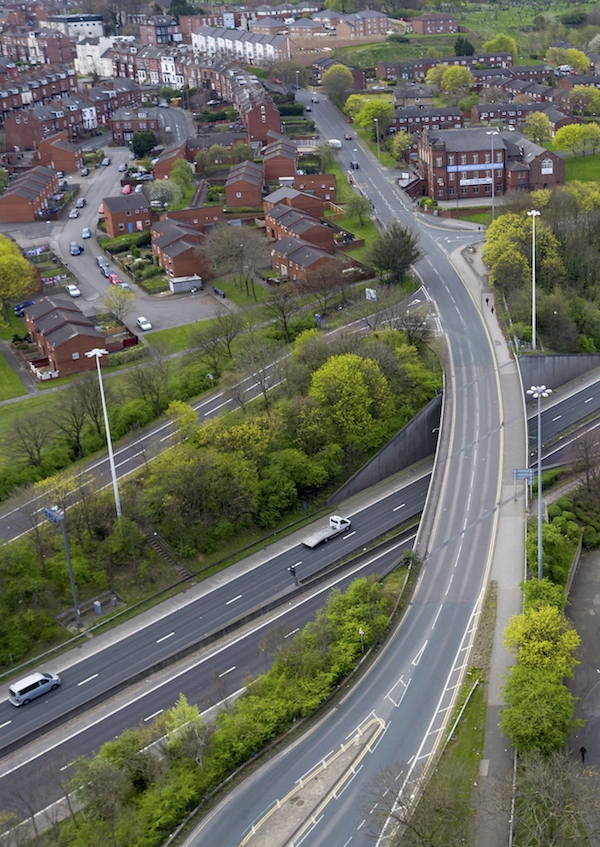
358 206
591 136
242 153
571 138
401 144
577 60
537 127
16 274
182 7
501 44
338 82
457 80
288 72
167 93
143 142
372 109
463 47
434 75
3 179
182 175
393 251
538 593
218 154
184 418
543 638
325 155
353 105
119 302
585 99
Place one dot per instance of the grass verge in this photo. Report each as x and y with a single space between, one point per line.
10 384
583 168
343 190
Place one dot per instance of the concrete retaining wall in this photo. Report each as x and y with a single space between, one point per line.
415 442
555 371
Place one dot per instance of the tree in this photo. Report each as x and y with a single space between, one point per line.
457 80
3 179
182 7
16 274
288 72
501 44
218 154
182 174
211 349
463 47
242 153
358 206
401 144
119 302
143 142
372 109
230 325
537 127
393 251
325 155
166 92
337 82
584 98
413 323
164 190
202 162
575 59
184 418
257 359
587 464
28 436
70 418
543 638
434 75
571 138
280 305
103 787
241 251
591 136
353 105
323 284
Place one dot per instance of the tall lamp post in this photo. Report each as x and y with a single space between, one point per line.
377 131
493 132
97 352
57 515
533 215
537 392
297 84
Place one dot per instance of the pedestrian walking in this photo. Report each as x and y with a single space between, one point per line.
492 310
487 301
583 751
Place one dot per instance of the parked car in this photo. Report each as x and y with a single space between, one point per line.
106 161
101 261
126 189
101 209
144 324
145 177
114 279
125 285
122 167
63 184
20 308
73 213
157 204
80 203
60 174
85 171
347 136
85 232
73 290
139 189
75 248
105 270
163 105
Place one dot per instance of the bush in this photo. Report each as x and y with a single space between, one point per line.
398 39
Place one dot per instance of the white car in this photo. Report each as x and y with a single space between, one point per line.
122 167
144 324
73 213
85 232
125 286
73 290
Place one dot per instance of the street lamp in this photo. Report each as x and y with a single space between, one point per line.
493 132
297 84
533 215
537 392
57 515
377 131
97 352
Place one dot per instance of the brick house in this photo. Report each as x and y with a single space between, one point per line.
362 24
127 213
280 158
27 128
321 185
433 23
530 167
63 335
308 203
160 29
268 26
36 46
59 154
244 185
320 66
168 157
566 83
415 96
515 114
179 249
126 121
418 68
281 222
203 218
26 197
294 259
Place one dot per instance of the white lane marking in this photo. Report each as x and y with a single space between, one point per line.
89 679
400 682
297 563
588 400
350 534
216 409
449 584
166 437
437 616
164 638
399 507
6 723
557 418
154 715
293 632
419 655
229 602
232 668
66 767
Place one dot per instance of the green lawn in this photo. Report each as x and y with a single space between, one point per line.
175 339
10 384
386 160
370 55
15 325
584 168
343 190
478 218
368 231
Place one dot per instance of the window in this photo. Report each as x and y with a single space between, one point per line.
547 166
451 191
488 188
450 158
440 192
475 174
499 157
75 355
438 161
121 227
475 189
238 194
451 176
475 158
463 189
487 158
463 158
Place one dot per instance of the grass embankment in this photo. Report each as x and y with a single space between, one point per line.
384 157
583 168
10 384
343 190
370 55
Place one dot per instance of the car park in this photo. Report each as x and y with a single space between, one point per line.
72 290
80 203
122 167
73 213
75 248
144 324
106 161
85 171
19 309
85 232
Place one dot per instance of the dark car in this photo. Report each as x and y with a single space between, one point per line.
20 309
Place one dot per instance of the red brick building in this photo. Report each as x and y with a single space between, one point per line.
59 154
160 29
244 185
127 213
203 218
126 121
321 185
308 203
179 249
63 335
26 197
432 23
36 46
294 259
25 129
280 158
416 120
281 222
362 24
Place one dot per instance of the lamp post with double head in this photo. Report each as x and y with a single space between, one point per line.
533 215
537 392
492 133
97 352
377 132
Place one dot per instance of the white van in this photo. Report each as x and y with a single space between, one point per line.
335 143
34 685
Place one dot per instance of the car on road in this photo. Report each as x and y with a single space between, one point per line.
114 278
125 286
122 167
347 136
35 685
105 269
85 172
72 290
102 261
85 232
139 189
101 209
106 161
20 307
80 203
307 109
145 177
314 99
75 248
126 189
163 105
74 213
144 324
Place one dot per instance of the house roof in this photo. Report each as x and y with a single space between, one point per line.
246 172
464 140
127 203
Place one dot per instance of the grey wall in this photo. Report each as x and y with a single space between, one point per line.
554 371
413 443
